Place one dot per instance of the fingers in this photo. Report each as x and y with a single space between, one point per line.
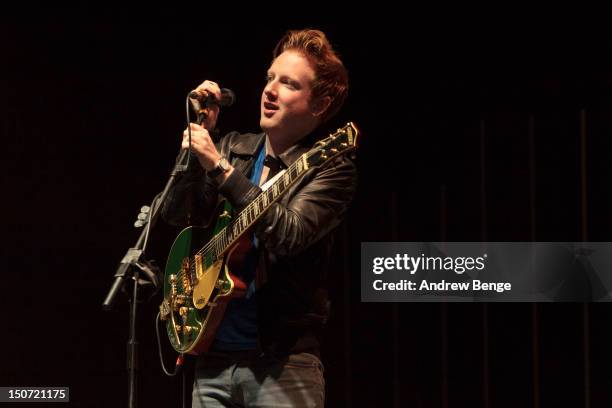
195 130
210 87
195 126
200 138
212 110
185 143
201 145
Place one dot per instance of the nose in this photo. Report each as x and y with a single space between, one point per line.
270 91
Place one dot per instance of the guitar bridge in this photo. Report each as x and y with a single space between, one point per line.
187 279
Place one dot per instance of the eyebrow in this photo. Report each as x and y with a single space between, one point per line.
293 82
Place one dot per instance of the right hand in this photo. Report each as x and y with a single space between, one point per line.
202 146
204 149
213 111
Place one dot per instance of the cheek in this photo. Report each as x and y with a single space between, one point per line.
288 97
296 104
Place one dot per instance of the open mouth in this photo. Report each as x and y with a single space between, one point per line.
270 106
269 109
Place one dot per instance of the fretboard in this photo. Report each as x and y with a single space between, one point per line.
225 238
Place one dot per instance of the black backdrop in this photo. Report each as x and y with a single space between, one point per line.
486 135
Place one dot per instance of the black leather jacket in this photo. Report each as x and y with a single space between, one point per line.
297 232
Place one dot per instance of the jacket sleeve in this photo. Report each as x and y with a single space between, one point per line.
191 200
315 210
194 196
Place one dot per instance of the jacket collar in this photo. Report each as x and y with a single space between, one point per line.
249 144
294 152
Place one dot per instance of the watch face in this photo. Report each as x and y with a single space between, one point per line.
224 164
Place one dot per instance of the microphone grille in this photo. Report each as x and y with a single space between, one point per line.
228 97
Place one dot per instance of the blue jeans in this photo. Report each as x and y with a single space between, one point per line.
248 379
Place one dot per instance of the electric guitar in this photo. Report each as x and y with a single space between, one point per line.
198 282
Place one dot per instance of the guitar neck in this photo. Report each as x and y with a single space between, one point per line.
225 238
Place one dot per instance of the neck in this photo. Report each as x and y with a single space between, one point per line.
277 145
277 141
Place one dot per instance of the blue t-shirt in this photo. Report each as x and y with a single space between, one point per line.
238 329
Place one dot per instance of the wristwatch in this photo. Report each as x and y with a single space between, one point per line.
221 167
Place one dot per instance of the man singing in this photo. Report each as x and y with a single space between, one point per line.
266 348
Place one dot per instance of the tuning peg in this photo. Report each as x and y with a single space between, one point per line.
142 217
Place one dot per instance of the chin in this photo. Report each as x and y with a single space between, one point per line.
265 124
262 125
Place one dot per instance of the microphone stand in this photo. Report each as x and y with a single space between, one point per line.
131 264
130 268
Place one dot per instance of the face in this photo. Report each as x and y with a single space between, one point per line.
286 107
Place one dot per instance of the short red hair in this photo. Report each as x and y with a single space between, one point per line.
331 78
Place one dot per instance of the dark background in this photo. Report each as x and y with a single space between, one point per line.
487 133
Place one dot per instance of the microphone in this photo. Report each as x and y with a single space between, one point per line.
228 97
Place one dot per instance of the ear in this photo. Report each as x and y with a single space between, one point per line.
320 105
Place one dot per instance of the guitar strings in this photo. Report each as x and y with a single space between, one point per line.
215 243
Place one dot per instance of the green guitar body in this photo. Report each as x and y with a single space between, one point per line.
197 287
